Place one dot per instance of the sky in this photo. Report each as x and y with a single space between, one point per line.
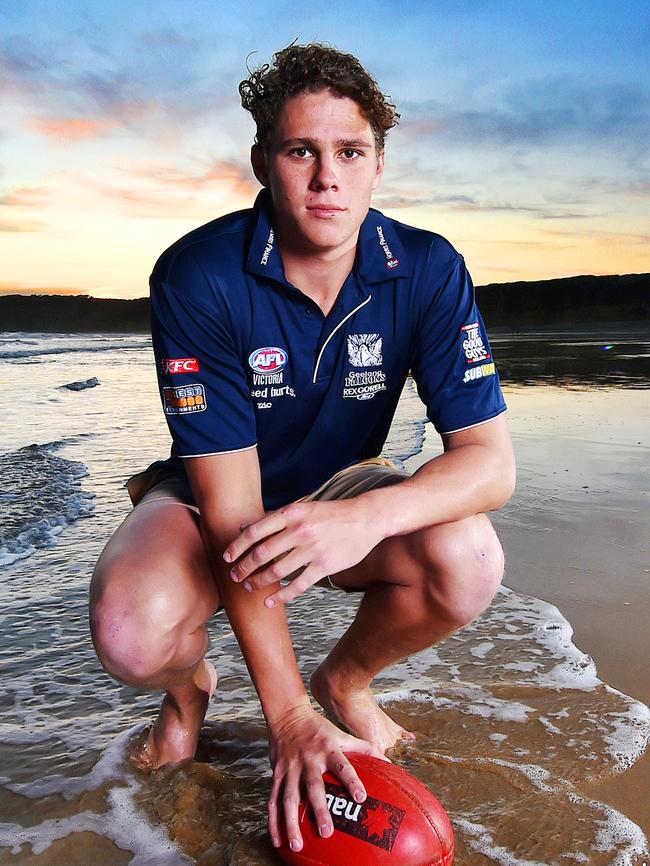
523 136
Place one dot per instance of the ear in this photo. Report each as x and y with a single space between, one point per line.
258 161
380 170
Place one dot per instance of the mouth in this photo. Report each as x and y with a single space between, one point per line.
324 210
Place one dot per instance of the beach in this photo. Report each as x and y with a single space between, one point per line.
532 723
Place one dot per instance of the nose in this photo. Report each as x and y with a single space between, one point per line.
325 176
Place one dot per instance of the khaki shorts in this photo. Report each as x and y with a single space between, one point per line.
349 482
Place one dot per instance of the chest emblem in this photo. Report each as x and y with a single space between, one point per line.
364 350
270 359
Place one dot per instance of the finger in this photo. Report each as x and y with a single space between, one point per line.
290 804
343 770
316 795
273 809
263 561
272 523
292 562
287 593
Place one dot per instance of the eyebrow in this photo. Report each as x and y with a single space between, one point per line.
340 142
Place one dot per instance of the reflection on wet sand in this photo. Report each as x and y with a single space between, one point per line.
614 360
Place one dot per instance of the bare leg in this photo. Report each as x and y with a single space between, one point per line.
151 595
420 588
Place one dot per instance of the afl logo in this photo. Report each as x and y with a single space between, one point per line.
270 359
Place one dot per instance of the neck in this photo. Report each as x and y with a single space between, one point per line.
321 276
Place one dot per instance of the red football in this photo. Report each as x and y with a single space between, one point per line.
400 823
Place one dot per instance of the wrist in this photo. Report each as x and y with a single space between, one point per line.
282 716
376 512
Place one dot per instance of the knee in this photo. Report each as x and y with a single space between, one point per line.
134 636
462 566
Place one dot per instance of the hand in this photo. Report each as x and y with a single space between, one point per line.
314 539
303 745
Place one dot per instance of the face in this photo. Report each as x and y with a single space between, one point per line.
321 169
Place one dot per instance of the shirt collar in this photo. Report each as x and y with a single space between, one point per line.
380 254
264 252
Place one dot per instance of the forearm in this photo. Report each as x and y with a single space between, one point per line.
262 633
463 481
227 489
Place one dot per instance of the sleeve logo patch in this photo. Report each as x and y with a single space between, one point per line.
473 344
269 359
184 399
180 365
479 372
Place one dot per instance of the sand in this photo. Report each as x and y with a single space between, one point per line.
576 534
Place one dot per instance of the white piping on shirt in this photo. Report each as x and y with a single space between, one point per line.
342 322
478 424
214 453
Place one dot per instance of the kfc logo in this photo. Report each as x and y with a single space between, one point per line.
180 365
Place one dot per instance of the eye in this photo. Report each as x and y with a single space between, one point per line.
351 153
301 152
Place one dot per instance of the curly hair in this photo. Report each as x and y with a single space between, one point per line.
313 67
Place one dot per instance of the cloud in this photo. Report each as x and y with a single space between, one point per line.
66 129
19 226
160 88
214 173
538 112
472 204
168 38
407 199
26 196
21 60
161 190
237 174
602 236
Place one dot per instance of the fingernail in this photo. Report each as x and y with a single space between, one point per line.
227 556
269 602
235 576
359 796
295 845
325 830
248 587
275 842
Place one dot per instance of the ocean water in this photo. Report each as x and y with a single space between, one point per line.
511 716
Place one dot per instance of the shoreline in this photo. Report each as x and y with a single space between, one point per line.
575 535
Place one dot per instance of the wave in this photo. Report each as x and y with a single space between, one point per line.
407 431
39 351
41 496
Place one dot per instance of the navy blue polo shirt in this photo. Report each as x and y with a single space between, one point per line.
246 359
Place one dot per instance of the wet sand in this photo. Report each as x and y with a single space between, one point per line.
576 535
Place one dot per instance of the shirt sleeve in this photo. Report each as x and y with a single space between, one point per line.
202 381
452 362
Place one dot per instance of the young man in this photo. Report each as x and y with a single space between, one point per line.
283 336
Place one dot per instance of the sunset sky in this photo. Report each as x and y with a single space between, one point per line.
524 133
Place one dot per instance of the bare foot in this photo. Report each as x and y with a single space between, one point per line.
173 736
357 710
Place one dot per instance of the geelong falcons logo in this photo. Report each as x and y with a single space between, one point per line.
364 350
